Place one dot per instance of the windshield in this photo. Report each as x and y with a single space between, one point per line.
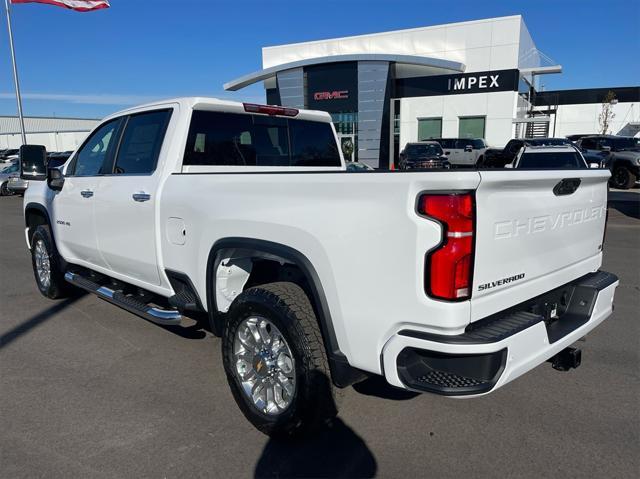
560 160
625 143
423 150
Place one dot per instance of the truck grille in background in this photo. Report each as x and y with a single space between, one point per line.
425 164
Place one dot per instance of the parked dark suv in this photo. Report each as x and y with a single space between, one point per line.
621 154
498 158
421 155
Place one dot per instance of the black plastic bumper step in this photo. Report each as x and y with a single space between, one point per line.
490 330
572 303
449 380
450 374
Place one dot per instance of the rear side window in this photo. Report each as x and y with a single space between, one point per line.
605 142
235 139
141 143
312 144
447 143
552 160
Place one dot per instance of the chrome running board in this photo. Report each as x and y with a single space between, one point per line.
165 317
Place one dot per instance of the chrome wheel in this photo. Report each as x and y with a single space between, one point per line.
264 365
43 264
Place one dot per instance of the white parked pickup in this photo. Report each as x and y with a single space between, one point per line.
452 282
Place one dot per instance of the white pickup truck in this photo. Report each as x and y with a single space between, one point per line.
452 282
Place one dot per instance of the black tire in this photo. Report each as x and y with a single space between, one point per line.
314 401
4 189
56 287
622 178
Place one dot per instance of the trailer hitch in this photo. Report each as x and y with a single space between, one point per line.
568 358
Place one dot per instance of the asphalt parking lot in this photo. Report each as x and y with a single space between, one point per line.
89 390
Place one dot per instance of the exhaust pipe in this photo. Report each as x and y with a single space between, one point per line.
569 358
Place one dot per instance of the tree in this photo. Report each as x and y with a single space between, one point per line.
607 115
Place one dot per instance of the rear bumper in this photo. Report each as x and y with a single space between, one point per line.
498 349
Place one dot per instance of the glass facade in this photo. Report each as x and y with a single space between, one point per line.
346 125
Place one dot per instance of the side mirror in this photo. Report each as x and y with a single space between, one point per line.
468 148
55 179
594 165
33 162
605 149
509 165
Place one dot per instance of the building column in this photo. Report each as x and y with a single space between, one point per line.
372 85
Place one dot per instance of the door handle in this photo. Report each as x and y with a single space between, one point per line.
140 197
86 193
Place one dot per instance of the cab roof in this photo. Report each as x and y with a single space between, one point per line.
214 104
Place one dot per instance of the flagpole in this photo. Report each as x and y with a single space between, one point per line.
15 75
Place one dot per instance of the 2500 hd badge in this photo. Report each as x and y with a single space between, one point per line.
500 282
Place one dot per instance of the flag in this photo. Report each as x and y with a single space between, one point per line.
77 5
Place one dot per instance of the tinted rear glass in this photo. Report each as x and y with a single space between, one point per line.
622 143
312 144
548 141
235 139
446 143
561 160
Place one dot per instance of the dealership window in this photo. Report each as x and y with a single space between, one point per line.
471 127
429 128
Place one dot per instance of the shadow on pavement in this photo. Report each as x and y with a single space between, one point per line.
335 451
626 202
627 208
378 386
196 331
34 321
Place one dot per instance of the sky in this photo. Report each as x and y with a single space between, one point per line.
92 64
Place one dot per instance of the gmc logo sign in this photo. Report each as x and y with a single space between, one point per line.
331 95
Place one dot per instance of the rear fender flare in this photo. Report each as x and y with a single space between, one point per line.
342 373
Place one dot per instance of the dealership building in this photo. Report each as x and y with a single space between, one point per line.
56 134
477 79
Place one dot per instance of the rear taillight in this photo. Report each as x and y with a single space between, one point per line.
449 266
270 110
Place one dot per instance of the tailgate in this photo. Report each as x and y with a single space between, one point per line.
533 232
